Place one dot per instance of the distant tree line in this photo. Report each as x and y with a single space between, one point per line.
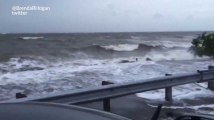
203 45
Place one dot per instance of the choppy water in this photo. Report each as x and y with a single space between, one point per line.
45 63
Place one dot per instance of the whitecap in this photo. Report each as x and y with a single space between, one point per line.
122 47
31 38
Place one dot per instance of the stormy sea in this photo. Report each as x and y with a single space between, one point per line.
40 64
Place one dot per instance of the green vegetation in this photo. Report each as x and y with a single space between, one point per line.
203 45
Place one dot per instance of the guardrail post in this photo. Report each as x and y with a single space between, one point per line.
20 95
211 83
168 91
106 102
157 112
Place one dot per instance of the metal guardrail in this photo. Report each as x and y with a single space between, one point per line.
116 90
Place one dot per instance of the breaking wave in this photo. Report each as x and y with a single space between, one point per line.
31 38
125 47
22 64
122 47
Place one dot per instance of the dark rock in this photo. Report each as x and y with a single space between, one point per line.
20 95
136 59
30 69
148 59
124 61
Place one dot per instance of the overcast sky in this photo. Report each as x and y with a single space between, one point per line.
109 16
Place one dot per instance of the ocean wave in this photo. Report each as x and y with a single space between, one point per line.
122 47
184 43
170 55
31 38
73 74
19 64
119 51
170 44
181 93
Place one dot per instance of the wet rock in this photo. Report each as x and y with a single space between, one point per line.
136 59
124 61
148 59
30 69
20 95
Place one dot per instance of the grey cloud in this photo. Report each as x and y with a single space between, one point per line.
190 17
158 16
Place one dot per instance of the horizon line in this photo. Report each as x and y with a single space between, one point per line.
103 32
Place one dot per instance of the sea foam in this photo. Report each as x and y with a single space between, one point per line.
122 47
